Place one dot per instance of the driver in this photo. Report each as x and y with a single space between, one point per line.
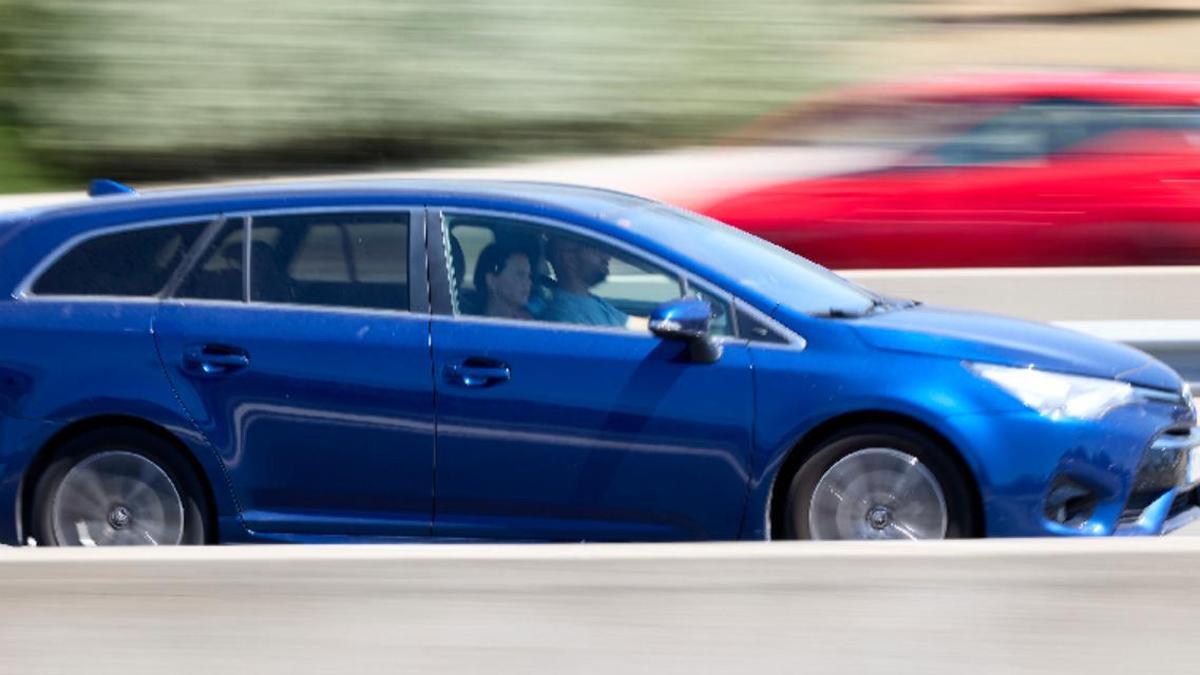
578 267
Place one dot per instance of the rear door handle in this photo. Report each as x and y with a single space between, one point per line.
478 372
213 360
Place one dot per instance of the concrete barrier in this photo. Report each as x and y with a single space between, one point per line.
11 202
1093 606
1162 293
1176 343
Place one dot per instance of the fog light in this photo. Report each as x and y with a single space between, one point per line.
1070 503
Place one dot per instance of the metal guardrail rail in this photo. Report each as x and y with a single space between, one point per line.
1053 606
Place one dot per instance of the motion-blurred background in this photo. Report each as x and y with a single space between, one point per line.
865 134
170 89
155 90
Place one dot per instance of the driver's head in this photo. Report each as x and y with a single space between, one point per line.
575 260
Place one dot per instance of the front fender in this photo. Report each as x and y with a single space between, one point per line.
798 392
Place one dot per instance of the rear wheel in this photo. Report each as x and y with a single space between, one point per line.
119 487
879 482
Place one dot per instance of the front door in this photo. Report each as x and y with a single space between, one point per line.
562 417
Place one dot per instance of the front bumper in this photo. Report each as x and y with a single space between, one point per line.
1124 474
1166 489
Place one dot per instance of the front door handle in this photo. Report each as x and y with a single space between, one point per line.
478 372
214 360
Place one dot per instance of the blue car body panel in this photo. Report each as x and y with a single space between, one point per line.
70 362
654 447
1012 452
345 425
330 427
994 339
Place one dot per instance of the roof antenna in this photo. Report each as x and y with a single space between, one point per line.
101 187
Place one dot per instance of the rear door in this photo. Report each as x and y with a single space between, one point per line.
299 344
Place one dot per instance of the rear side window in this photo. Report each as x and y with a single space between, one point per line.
136 262
341 260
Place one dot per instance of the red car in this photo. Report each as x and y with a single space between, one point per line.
1051 169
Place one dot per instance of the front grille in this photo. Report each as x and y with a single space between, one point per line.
1182 401
1163 468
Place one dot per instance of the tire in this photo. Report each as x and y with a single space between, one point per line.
118 487
879 482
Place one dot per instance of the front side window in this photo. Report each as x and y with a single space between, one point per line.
343 260
512 269
131 263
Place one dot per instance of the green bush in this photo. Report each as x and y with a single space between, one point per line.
163 88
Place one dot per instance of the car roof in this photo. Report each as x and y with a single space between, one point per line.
583 199
1128 88
30 234
1146 88
674 235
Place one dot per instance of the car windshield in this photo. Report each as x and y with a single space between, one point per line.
755 264
889 122
1050 126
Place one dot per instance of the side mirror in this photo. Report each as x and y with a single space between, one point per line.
687 320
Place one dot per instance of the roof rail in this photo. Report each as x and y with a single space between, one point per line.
102 187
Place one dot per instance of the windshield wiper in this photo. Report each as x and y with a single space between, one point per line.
881 302
841 313
877 305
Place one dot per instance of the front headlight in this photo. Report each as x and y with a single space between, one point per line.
1056 395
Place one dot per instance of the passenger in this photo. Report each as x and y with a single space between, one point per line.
578 267
503 279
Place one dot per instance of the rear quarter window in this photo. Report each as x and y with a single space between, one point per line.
133 262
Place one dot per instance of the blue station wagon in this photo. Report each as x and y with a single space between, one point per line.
489 361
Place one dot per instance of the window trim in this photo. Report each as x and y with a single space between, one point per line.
294 306
24 290
440 281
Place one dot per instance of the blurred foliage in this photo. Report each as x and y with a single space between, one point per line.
154 89
19 170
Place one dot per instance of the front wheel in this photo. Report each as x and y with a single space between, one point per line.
120 487
879 482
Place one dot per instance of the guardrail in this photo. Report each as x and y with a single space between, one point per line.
1052 293
981 606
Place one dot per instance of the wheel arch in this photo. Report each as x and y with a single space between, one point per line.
45 454
815 437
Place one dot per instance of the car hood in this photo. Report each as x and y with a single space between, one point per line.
987 338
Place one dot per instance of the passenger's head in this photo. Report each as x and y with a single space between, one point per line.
504 278
577 263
